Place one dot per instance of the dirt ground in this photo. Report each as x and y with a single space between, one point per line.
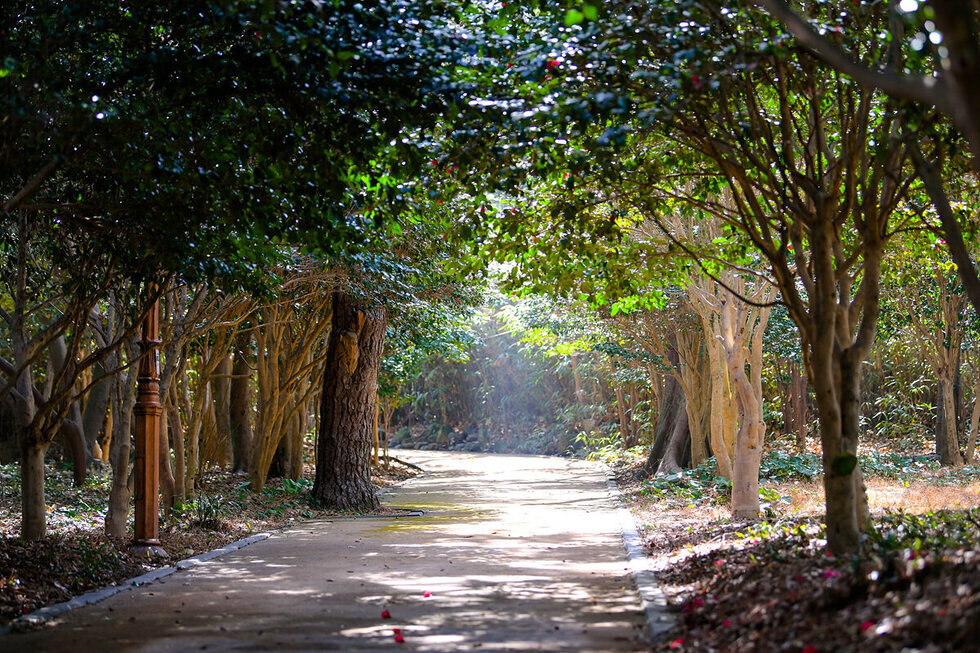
771 585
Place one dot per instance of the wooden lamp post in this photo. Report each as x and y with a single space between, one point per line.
147 411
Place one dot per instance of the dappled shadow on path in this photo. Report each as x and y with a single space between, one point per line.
512 560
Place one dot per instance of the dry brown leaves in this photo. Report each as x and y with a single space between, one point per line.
771 586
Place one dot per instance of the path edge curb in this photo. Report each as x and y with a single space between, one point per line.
652 598
42 615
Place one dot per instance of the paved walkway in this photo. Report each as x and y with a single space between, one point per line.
513 553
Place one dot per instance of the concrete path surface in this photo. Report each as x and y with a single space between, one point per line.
514 553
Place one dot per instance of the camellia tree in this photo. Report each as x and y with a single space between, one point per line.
196 140
715 111
927 55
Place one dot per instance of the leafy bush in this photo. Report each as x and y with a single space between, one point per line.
690 486
778 466
893 465
934 531
207 511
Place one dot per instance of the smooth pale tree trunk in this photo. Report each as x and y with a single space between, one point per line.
350 386
748 444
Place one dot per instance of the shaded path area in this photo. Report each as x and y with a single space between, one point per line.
515 553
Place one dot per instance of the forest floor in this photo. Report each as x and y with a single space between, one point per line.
77 557
770 585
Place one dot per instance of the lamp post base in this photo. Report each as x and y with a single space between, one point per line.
148 548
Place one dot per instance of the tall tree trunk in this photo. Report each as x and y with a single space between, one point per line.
123 400
350 385
798 394
295 469
33 514
177 441
671 440
971 442
166 469
221 394
947 442
240 422
96 408
748 443
624 417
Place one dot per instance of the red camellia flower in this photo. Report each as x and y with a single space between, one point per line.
810 649
552 64
399 638
866 625
427 594
385 614
677 643
696 82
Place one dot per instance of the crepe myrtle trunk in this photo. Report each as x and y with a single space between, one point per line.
350 386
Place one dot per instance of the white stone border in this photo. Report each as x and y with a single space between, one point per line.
45 614
652 598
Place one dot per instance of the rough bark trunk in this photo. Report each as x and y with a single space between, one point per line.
350 385
671 444
240 402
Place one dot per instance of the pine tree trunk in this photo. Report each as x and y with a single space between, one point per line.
350 385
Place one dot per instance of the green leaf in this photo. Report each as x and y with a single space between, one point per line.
591 11
574 17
